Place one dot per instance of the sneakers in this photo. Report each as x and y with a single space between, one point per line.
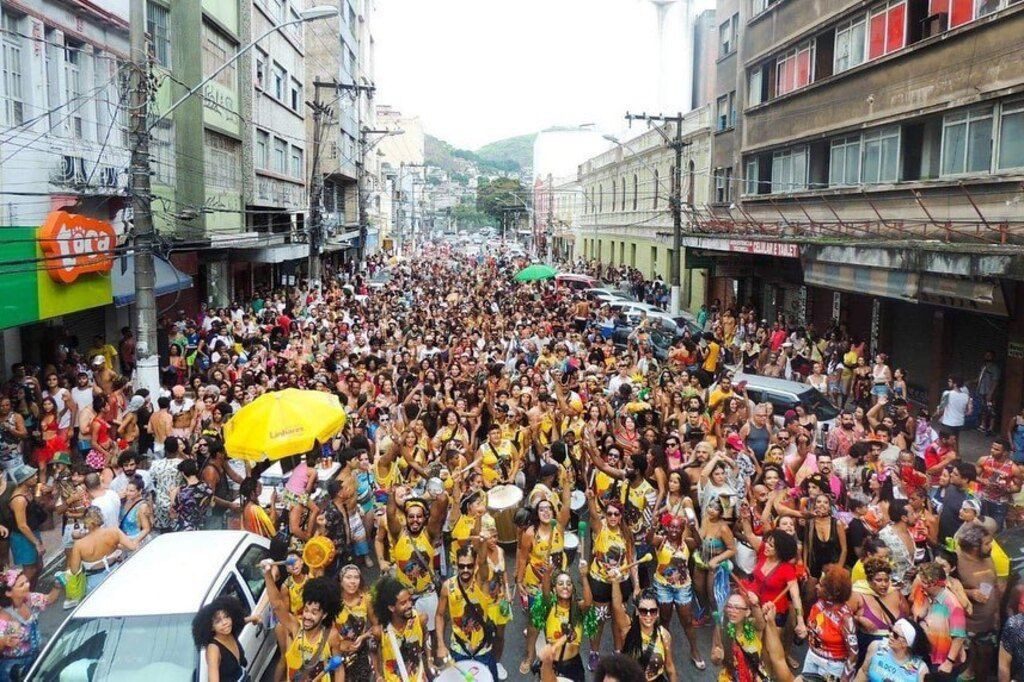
502 673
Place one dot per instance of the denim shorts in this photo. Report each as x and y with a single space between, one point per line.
680 595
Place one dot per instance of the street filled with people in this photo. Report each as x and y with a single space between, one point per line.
520 456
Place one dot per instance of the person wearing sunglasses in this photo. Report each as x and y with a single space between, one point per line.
901 657
466 602
612 547
644 638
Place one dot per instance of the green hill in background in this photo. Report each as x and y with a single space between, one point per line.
503 156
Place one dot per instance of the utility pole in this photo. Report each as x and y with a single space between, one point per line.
676 201
148 360
314 227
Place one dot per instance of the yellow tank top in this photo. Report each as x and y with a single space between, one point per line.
460 535
557 625
410 640
303 649
493 459
604 487
656 662
467 626
295 593
352 620
392 478
673 565
545 550
609 551
547 424
409 568
419 455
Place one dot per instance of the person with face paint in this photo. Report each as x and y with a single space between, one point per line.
403 649
465 599
311 639
672 582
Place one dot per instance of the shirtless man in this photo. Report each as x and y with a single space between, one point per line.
160 424
102 375
99 550
183 414
581 314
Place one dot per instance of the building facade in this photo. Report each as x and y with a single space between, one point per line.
868 161
627 210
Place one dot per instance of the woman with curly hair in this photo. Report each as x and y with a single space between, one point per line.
831 635
215 631
311 639
566 619
876 603
355 623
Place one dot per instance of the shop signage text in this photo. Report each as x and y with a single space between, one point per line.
75 245
763 248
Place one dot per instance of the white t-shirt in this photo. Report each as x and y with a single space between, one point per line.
110 504
82 396
956 407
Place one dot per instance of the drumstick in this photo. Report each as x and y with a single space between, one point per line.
467 468
644 559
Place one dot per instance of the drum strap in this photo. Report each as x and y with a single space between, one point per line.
399 661
477 613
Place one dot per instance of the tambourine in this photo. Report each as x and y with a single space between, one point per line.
318 552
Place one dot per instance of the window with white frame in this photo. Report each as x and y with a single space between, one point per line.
296 162
789 170
751 172
622 202
794 68
881 159
887 29
844 161
721 186
727 33
161 148
223 159
73 58
280 10
262 149
157 22
295 96
754 79
967 141
758 6
13 110
280 159
261 68
722 113
218 50
1011 135
279 83
851 37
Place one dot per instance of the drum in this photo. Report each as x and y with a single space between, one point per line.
465 671
502 503
572 546
577 502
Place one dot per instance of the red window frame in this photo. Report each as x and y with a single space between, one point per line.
887 29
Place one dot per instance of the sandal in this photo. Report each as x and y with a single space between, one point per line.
524 667
699 665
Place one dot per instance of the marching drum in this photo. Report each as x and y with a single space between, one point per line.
465 671
502 503
577 502
572 545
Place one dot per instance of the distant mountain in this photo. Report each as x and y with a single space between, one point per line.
508 156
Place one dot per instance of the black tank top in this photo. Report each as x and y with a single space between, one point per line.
231 668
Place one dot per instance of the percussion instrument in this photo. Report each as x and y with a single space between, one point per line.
572 545
502 503
577 502
318 552
465 671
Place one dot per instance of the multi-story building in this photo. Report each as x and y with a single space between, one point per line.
63 173
627 210
868 167
705 54
400 155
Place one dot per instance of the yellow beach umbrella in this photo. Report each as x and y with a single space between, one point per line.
283 423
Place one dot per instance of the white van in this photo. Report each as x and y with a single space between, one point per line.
138 624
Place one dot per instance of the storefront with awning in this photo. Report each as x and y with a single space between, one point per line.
168 280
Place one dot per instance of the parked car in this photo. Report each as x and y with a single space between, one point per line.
786 395
575 281
602 295
137 625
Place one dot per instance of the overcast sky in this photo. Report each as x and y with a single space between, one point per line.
476 71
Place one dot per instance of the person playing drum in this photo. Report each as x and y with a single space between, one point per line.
542 545
467 518
403 648
465 598
496 457
566 618
413 552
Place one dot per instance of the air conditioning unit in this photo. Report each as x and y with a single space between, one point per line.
934 24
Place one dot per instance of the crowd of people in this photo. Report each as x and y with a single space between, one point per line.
487 416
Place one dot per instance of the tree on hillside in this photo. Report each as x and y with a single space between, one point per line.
499 195
467 215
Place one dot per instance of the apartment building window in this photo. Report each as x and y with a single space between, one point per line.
844 161
296 96
754 85
280 164
960 12
1011 135
296 162
622 201
636 190
722 181
881 161
262 149
789 170
600 198
280 10
759 6
657 188
351 18
851 37
218 50
279 83
223 159
751 174
727 34
157 20
261 69
73 58
10 70
887 29
722 112
161 148
967 141
794 68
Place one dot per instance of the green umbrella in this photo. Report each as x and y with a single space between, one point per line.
535 272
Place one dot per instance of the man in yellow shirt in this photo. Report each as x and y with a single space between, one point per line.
711 352
105 350
721 393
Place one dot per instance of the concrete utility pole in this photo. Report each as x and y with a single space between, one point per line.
314 227
676 200
148 361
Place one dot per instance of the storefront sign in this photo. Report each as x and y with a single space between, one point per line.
762 248
74 245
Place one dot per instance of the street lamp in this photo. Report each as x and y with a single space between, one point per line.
309 14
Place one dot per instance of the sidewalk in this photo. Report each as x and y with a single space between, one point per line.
975 444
